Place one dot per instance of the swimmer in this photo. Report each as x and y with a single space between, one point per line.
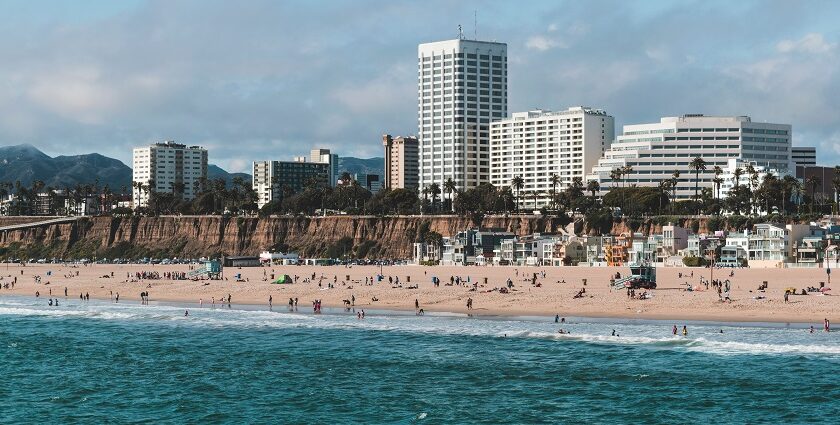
186 313
685 331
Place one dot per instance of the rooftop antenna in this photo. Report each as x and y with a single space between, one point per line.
460 32
475 24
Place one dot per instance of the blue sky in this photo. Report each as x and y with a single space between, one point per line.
270 79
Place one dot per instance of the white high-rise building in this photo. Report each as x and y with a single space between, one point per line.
167 167
654 151
537 145
461 89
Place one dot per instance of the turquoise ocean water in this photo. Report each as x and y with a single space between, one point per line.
98 362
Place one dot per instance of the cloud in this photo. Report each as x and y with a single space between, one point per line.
268 80
810 43
543 43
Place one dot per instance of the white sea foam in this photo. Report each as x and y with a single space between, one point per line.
705 339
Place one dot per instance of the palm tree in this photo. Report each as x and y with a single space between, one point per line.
450 188
737 173
698 164
835 183
554 180
663 190
753 183
675 178
592 186
813 181
717 181
517 183
434 190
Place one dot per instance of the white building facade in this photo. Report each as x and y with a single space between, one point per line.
656 150
461 88
537 145
167 167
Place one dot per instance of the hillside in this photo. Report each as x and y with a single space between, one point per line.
25 163
361 166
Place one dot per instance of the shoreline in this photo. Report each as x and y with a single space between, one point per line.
553 294
512 316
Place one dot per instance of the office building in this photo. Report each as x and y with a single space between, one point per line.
654 151
537 145
803 156
325 157
275 179
371 182
401 162
167 167
462 88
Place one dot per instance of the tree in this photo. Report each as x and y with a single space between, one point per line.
753 184
592 186
698 164
450 188
813 181
554 180
717 181
675 179
434 190
835 183
517 183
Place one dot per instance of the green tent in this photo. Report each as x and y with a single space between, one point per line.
283 279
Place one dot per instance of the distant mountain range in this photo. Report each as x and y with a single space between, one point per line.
361 166
25 163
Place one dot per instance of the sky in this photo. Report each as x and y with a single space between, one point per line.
255 80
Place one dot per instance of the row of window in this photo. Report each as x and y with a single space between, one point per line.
462 55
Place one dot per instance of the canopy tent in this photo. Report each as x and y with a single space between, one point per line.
283 279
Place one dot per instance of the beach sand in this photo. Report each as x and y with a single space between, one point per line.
554 296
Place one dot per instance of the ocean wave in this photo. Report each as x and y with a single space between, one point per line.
774 343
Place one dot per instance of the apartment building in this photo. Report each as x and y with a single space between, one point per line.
401 162
167 167
803 156
537 145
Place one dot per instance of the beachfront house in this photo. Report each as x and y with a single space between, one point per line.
769 245
734 252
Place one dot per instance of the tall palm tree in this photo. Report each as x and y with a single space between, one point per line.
737 173
663 190
450 188
717 181
813 181
592 186
434 190
753 184
554 180
698 164
517 183
835 183
675 179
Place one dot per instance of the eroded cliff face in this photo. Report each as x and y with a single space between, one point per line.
384 237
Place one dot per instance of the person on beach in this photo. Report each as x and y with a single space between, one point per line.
826 325
269 301
685 331
675 329
557 318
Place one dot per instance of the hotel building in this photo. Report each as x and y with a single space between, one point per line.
537 145
461 88
656 150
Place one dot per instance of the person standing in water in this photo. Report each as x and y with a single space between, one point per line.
685 331
675 329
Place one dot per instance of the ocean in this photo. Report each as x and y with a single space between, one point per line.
98 362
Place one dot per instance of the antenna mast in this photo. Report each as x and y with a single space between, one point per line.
460 32
475 24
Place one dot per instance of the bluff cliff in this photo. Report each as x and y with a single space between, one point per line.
361 236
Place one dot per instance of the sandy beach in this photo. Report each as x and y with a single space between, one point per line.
554 295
